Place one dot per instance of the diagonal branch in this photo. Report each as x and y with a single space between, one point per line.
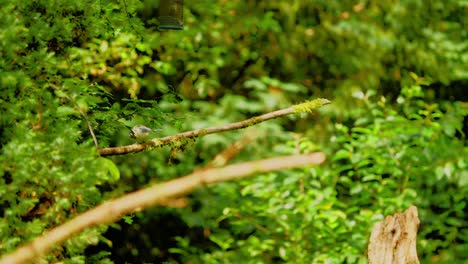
159 142
222 158
113 210
78 108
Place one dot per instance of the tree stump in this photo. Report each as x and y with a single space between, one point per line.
394 240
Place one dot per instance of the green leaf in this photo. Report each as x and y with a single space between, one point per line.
66 110
341 154
112 169
164 67
128 219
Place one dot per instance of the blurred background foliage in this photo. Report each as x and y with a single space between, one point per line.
395 134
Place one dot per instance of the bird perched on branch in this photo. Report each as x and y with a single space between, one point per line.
141 132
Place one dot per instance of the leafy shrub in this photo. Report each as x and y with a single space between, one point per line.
389 158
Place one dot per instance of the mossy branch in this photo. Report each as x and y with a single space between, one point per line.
159 142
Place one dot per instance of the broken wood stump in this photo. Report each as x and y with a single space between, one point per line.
393 241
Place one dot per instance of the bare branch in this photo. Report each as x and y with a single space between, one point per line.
113 210
159 142
222 158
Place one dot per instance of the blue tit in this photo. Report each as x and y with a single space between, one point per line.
140 131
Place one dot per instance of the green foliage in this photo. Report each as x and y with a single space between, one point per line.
388 159
49 167
398 156
66 64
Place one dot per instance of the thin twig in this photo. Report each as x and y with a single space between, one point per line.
112 211
159 142
77 107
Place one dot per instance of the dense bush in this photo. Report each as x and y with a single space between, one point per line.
394 135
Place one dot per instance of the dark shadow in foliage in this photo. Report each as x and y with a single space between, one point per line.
148 239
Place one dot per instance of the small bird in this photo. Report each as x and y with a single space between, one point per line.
141 131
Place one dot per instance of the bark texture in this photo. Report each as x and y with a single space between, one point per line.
394 240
